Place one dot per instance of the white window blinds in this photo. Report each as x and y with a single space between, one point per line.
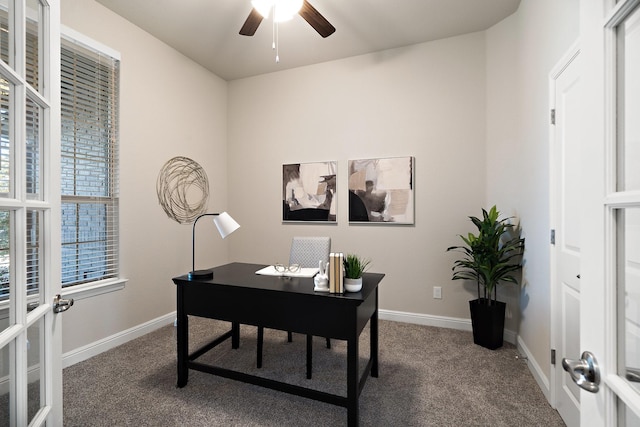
89 165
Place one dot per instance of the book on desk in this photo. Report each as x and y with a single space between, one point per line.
336 273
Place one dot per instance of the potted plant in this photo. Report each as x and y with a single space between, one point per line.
354 267
491 257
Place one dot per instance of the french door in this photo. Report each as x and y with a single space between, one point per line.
610 260
30 344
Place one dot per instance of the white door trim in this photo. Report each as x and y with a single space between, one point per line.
570 55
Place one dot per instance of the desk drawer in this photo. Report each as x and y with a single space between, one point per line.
308 314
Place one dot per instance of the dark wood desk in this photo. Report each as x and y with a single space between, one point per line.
238 295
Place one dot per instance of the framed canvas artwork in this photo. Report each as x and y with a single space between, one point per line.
308 192
381 191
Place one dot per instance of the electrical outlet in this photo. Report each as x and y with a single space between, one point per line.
437 292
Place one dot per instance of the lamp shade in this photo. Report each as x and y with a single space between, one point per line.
225 224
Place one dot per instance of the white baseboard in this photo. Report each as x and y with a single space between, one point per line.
83 353
465 325
536 371
437 321
93 349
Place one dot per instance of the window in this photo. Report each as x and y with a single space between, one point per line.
89 181
89 164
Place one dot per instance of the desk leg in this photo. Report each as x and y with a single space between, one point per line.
309 355
352 381
374 340
260 343
182 342
235 335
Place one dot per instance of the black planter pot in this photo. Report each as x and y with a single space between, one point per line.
487 322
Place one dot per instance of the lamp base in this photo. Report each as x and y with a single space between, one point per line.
201 275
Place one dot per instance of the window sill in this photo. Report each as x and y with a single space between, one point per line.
77 292
88 290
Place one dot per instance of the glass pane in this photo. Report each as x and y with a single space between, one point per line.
33 38
33 150
5 141
4 391
34 372
629 295
5 263
33 251
33 26
86 237
626 417
6 38
629 103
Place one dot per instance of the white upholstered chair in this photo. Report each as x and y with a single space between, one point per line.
306 252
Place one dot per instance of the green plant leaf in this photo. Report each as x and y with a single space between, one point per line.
492 256
354 266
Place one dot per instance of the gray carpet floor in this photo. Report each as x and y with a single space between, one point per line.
428 377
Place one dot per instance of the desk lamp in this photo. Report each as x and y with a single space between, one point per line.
225 225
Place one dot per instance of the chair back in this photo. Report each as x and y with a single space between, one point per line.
307 251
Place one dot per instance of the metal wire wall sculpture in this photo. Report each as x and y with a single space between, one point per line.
179 179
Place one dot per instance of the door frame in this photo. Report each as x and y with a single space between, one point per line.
567 58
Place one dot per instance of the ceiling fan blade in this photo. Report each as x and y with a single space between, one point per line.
251 24
317 21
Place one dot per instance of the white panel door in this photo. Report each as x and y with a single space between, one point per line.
566 189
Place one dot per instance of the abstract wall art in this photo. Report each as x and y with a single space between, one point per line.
381 190
183 189
308 192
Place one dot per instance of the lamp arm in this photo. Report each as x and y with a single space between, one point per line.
193 238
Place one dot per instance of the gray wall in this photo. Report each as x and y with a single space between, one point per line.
521 51
425 101
169 106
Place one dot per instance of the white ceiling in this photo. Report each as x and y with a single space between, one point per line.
207 30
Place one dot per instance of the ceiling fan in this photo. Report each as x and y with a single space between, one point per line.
308 13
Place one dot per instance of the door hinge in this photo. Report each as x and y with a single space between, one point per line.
553 356
552 238
553 116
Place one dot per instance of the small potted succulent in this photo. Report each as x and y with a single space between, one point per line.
354 267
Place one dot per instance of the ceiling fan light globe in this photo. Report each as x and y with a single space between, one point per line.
263 7
286 9
281 17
